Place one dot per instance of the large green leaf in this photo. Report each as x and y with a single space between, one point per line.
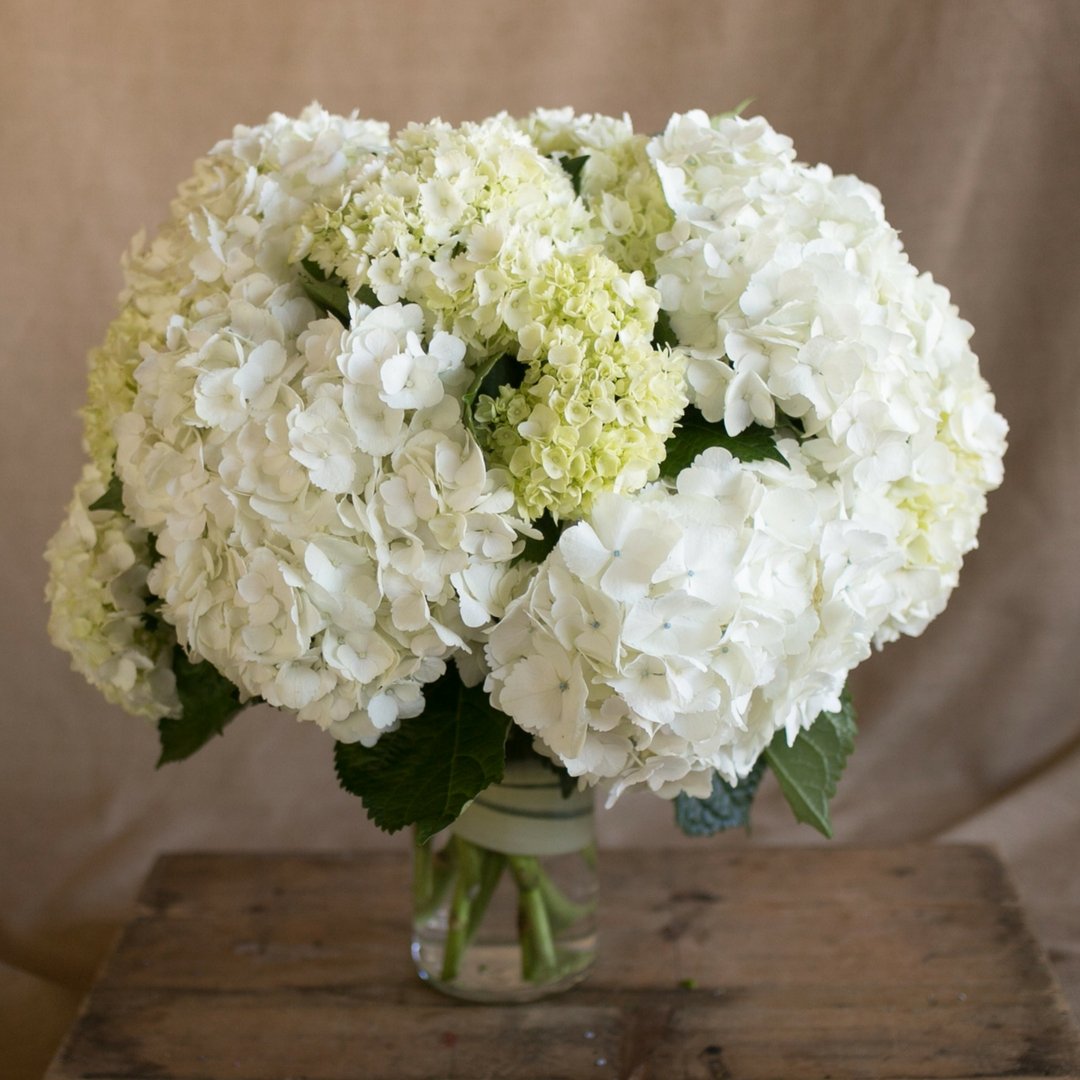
695 434
424 773
726 807
809 769
208 702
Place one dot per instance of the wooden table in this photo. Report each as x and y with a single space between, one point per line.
812 962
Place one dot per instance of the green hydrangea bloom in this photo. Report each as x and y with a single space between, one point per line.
597 401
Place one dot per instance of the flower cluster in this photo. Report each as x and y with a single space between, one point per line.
672 634
791 295
482 229
354 374
617 181
316 500
98 564
597 402
792 300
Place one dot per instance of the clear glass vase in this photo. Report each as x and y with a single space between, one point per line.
504 901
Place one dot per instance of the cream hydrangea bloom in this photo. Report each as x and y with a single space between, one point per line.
791 295
693 622
207 242
307 546
597 402
98 562
314 502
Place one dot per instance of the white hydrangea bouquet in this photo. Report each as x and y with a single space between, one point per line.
532 434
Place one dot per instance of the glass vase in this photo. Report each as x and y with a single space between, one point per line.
504 901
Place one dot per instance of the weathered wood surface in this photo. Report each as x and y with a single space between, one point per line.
835 962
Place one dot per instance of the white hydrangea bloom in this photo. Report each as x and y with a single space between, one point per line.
99 602
315 503
673 634
312 489
792 295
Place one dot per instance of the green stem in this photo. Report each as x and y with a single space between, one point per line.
543 909
431 875
562 911
463 857
492 865
538 959
589 855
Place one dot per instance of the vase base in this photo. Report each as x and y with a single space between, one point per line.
492 974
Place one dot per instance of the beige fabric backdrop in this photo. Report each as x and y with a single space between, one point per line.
965 113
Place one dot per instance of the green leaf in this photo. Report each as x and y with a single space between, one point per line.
113 499
664 336
155 555
809 769
150 616
573 167
367 295
328 294
208 701
726 808
695 434
314 270
424 773
537 550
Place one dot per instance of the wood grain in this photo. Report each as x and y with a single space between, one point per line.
912 962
